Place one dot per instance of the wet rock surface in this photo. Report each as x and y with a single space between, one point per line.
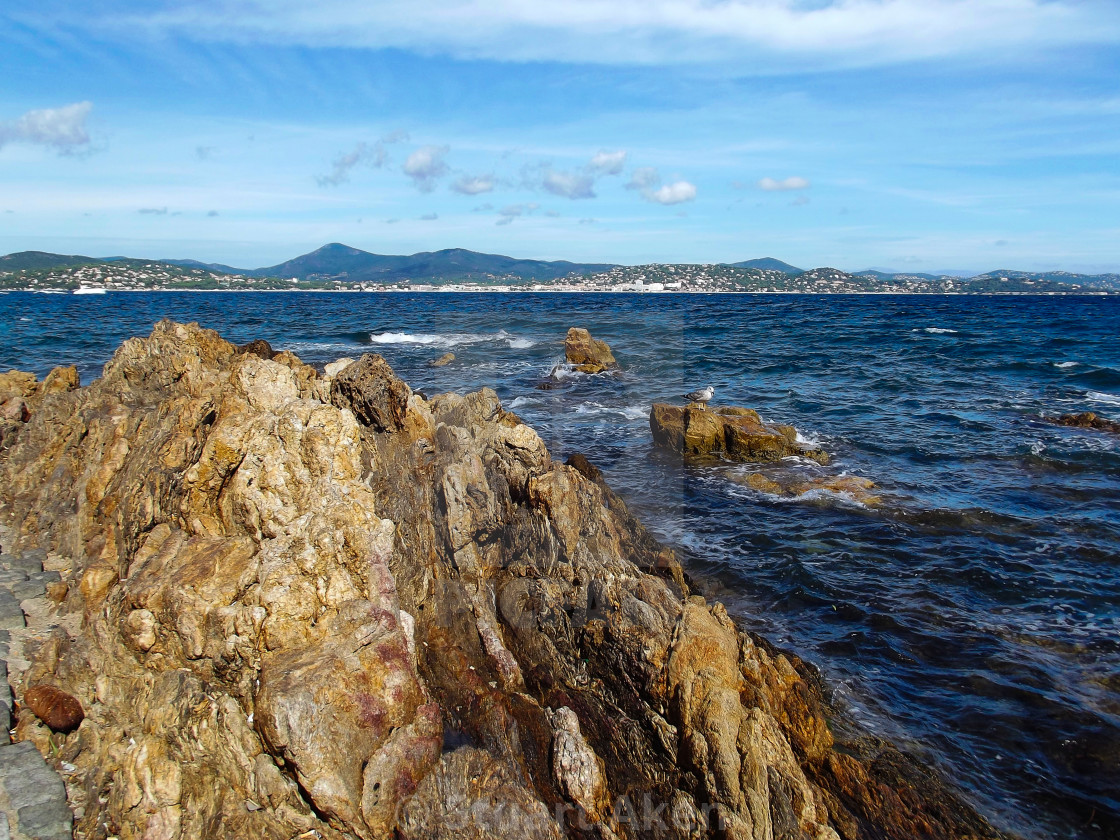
729 432
327 606
587 354
1087 420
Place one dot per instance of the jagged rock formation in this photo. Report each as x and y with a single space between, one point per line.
587 354
325 604
731 432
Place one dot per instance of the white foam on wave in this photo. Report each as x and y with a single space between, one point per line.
807 439
935 330
630 412
1066 364
448 339
1102 397
519 402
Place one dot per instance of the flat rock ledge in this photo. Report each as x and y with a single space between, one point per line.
729 432
304 605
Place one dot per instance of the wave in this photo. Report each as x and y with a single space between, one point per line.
630 412
1102 397
1066 364
449 339
935 330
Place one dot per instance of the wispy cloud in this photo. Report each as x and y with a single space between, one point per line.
152 211
648 31
63 129
574 183
568 184
429 217
647 181
792 183
426 166
607 163
514 211
474 185
373 155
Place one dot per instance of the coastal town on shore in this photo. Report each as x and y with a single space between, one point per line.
146 276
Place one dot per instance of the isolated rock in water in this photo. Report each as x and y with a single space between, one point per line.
258 347
589 355
1088 420
731 432
368 615
445 359
855 487
60 711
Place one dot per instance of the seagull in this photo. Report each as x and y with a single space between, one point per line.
701 395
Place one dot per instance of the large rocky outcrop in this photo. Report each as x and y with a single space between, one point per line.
329 607
731 432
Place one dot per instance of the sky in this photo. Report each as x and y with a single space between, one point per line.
910 135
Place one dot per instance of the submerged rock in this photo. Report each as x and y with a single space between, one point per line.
731 432
442 361
854 487
370 614
587 354
1088 420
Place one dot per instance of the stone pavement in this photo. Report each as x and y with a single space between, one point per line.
32 795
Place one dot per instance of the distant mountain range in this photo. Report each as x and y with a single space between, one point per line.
339 263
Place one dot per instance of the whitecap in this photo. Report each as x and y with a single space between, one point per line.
1066 364
518 402
437 339
934 330
629 412
1102 397
521 343
807 440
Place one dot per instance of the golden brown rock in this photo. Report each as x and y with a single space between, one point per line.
442 361
60 711
731 432
1088 420
589 355
371 614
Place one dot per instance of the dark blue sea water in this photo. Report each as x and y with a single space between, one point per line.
974 617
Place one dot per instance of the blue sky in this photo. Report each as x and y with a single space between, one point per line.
909 134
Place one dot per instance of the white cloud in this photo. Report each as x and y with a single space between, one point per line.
468 185
607 163
792 183
675 193
362 154
646 31
425 166
647 180
571 185
63 129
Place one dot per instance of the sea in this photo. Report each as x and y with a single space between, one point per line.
972 615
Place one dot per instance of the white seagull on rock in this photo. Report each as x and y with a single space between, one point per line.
701 395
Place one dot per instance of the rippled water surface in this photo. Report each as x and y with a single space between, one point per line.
974 616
